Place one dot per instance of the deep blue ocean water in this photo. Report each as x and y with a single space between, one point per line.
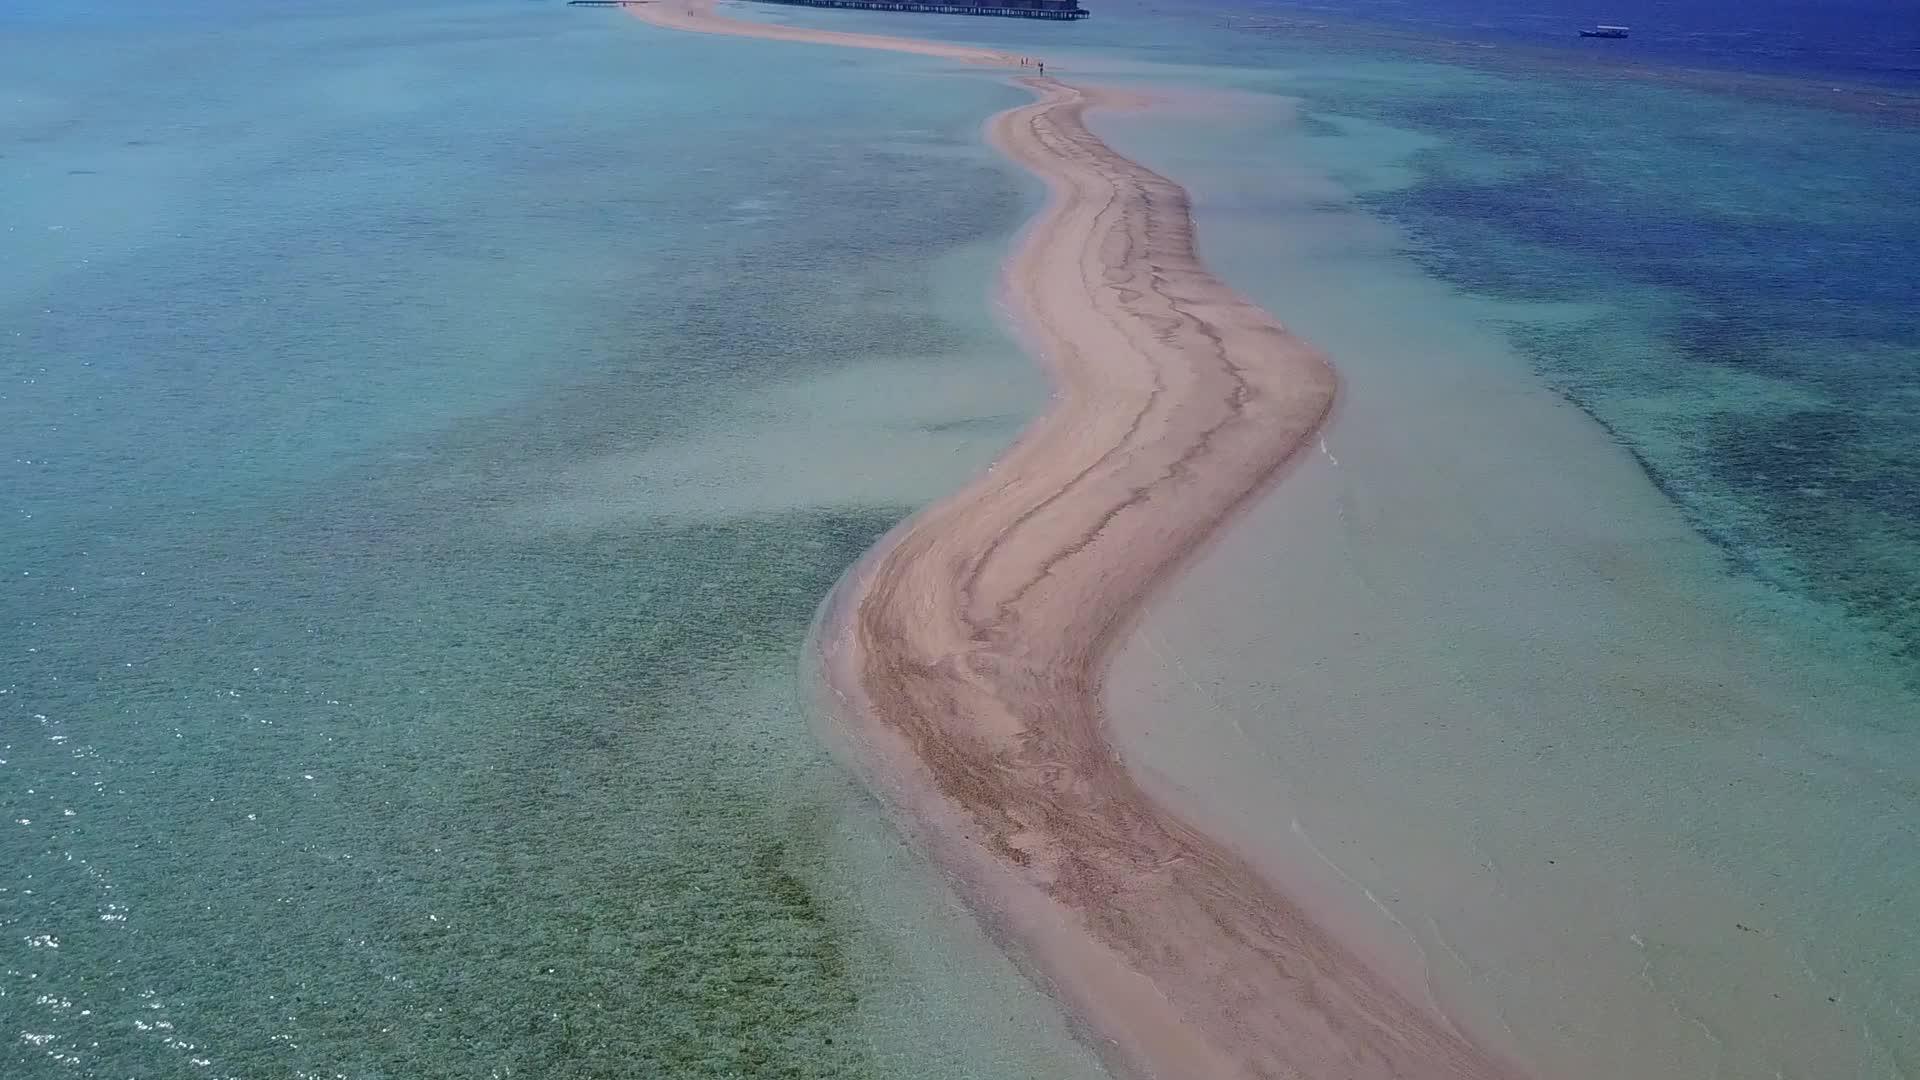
1759 352
1875 41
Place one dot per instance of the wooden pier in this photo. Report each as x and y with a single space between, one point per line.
1006 9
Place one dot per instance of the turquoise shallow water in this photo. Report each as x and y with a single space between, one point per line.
401 614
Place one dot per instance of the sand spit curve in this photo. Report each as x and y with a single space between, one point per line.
966 651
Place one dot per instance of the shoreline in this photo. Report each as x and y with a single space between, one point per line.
967 651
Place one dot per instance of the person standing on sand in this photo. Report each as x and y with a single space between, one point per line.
1043 67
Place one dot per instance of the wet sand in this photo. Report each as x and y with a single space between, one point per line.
966 654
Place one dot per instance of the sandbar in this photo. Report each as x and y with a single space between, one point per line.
965 654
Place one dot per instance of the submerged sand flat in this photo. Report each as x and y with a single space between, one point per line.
1630 805
967 651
